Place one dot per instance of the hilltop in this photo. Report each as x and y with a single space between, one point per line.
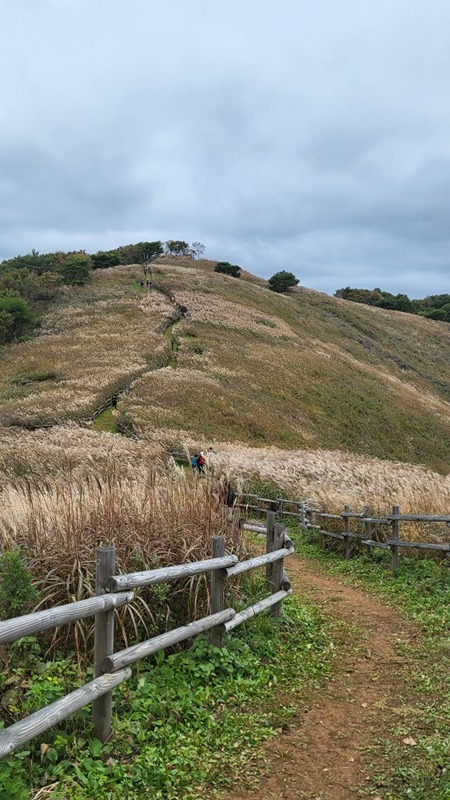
243 364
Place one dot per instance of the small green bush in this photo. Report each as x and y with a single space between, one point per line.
16 318
76 269
105 259
228 269
17 593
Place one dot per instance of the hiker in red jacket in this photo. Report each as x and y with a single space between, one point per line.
201 463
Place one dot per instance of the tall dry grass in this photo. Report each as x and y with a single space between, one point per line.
331 479
93 341
69 448
154 516
334 478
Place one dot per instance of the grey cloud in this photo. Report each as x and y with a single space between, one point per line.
290 135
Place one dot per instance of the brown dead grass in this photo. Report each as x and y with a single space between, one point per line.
63 495
334 478
298 371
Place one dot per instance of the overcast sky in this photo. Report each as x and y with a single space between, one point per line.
307 135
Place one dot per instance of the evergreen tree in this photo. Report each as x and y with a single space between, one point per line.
282 281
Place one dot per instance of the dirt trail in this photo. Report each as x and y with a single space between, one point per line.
324 755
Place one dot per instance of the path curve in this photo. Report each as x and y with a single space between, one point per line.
324 755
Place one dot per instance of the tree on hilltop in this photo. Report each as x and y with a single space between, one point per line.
282 281
176 247
197 248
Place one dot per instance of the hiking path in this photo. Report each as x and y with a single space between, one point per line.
325 753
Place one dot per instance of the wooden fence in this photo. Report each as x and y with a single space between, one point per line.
371 531
113 591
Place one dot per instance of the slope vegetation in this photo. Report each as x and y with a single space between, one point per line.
244 364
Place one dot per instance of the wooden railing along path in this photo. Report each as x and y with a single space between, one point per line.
113 591
308 515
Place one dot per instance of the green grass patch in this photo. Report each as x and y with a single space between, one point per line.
106 421
186 723
421 590
25 378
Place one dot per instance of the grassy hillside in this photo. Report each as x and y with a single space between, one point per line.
304 370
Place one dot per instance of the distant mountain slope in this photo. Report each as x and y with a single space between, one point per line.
246 364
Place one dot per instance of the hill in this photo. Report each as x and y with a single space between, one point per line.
243 365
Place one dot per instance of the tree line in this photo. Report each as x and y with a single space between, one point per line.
74 267
434 306
28 281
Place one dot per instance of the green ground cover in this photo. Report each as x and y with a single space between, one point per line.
106 421
186 723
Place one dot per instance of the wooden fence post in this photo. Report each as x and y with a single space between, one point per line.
235 521
395 536
217 590
368 531
277 569
302 514
270 542
103 641
346 532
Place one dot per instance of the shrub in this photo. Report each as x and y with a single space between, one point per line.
44 286
228 269
282 281
76 269
16 318
442 313
105 259
17 593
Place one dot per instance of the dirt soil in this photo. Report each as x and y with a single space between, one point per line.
324 755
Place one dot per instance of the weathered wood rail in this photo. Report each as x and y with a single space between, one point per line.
308 516
113 591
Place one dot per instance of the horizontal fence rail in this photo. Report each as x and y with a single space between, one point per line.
119 583
256 528
112 592
443 548
30 624
261 605
419 518
309 516
258 561
39 722
131 654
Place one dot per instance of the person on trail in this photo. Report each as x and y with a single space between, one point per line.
114 402
201 463
194 462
